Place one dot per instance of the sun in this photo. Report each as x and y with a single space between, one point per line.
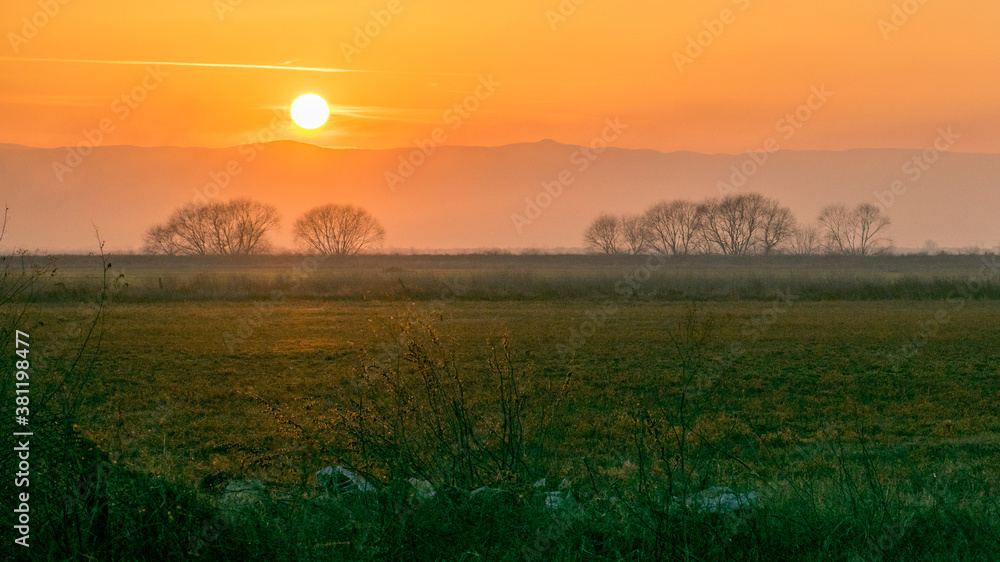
310 111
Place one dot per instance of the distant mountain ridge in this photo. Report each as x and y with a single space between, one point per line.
526 195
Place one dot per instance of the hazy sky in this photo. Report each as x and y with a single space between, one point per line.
897 71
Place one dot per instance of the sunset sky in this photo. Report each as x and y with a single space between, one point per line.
895 78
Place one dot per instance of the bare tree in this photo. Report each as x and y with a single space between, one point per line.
188 229
338 230
729 224
835 228
857 232
241 226
745 223
870 224
777 228
732 225
236 227
636 236
160 239
807 240
674 227
604 235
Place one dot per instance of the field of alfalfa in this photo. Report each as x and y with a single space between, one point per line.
811 408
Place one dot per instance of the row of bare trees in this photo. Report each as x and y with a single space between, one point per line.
739 224
857 232
243 227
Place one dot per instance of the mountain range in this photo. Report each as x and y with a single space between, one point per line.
538 195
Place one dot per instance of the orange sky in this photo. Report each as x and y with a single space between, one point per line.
558 78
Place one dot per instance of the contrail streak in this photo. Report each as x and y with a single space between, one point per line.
198 64
223 65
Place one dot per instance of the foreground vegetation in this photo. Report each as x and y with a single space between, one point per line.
865 425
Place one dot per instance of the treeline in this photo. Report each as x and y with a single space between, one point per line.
739 224
736 224
243 227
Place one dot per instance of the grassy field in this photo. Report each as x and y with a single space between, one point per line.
168 399
532 277
858 400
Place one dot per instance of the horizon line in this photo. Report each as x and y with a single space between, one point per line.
10 145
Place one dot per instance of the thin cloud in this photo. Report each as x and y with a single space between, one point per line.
52 100
377 113
224 65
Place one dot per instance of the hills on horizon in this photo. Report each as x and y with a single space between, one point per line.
529 195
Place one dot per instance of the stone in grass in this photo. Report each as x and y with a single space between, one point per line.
422 490
722 501
564 484
244 491
340 479
555 501
483 491
242 498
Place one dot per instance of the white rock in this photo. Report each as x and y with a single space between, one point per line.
244 489
339 478
422 489
558 500
481 490
243 497
721 500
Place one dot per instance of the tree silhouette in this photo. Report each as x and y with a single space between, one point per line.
338 230
604 235
807 240
856 232
746 223
635 234
674 227
237 227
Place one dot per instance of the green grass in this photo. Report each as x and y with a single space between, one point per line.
813 401
166 375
